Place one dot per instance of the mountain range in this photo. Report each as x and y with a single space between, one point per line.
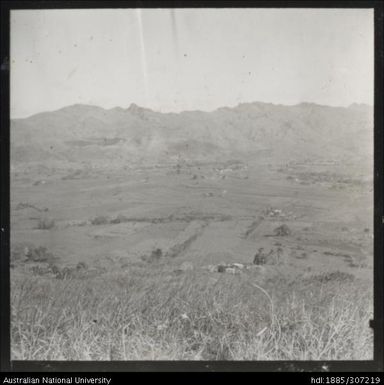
89 133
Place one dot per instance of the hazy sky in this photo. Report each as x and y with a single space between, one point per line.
187 59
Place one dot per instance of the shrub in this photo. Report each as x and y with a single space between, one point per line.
260 258
154 257
100 220
55 269
39 254
45 224
81 266
119 219
282 230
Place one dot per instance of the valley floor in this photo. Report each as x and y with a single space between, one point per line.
158 263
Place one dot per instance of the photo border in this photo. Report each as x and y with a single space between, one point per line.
6 365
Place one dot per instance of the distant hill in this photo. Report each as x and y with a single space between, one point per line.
83 132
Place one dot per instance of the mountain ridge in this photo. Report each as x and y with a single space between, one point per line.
134 107
303 130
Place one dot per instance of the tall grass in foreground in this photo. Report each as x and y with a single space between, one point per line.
153 313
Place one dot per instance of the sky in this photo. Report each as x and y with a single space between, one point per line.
189 59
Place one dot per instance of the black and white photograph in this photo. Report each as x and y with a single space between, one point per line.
192 184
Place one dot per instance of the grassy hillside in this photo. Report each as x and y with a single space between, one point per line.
154 312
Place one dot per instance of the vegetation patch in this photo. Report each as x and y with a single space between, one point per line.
120 219
282 231
155 256
100 220
38 254
45 224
